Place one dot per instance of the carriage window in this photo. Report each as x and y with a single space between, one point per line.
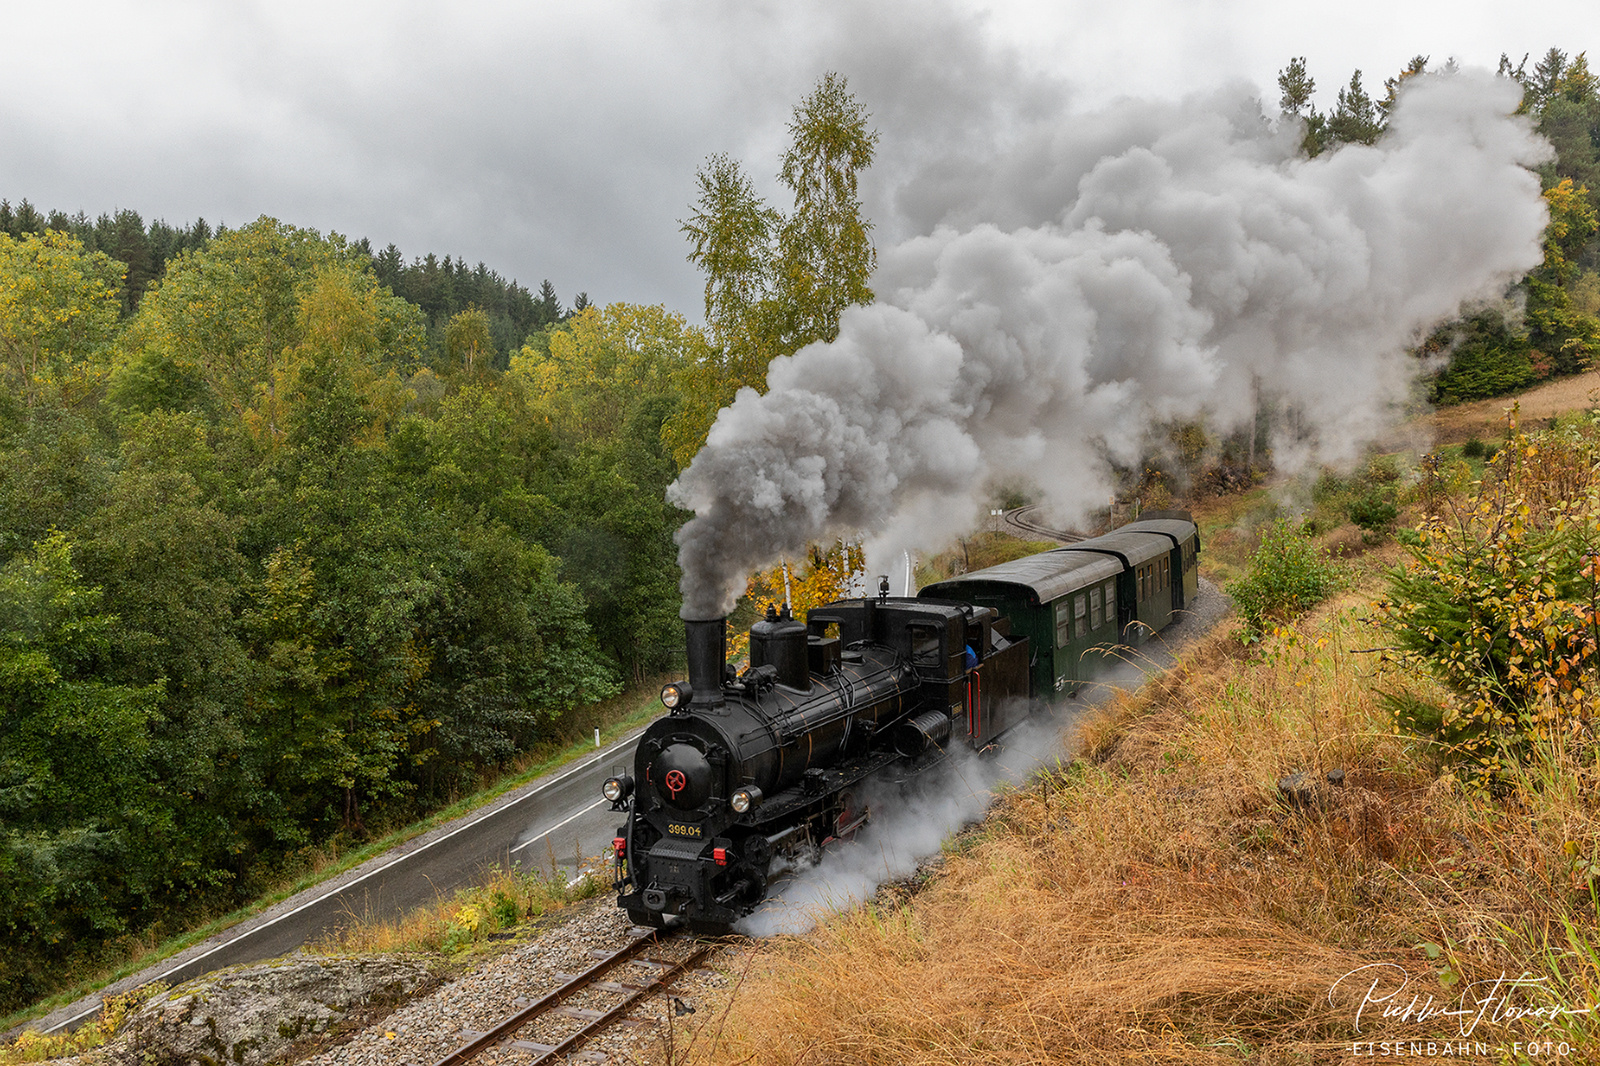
1080 615
1063 622
1095 614
1111 601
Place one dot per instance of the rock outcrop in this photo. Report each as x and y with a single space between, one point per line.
252 1015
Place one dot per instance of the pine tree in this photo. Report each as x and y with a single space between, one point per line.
1354 119
1391 86
1297 86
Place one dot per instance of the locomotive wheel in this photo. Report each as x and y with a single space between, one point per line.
851 816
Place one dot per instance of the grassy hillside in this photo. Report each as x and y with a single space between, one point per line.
1177 894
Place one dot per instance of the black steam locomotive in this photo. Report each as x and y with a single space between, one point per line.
752 773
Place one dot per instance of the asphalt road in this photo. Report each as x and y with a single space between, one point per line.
555 825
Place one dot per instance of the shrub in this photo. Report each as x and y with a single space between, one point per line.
1288 574
1373 510
1500 600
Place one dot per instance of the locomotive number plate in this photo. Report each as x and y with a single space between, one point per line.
677 829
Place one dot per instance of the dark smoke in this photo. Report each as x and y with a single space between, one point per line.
1172 262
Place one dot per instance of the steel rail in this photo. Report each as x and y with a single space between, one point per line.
1020 518
512 1022
660 981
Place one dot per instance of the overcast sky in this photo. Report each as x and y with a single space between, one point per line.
561 141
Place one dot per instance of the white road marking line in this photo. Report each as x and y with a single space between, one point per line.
558 825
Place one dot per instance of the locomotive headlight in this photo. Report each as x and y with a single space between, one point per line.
618 788
744 799
675 695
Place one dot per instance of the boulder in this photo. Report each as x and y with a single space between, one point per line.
250 1015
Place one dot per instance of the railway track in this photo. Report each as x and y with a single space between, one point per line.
1024 520
559 1023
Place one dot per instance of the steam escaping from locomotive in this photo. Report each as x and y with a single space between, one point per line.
1066 300
909 823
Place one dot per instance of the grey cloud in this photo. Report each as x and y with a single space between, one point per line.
1188 256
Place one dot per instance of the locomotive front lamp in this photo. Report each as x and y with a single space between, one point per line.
744 799
675 695
616 789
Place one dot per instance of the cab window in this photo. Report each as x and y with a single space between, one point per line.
925 650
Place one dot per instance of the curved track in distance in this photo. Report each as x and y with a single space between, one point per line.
1024 521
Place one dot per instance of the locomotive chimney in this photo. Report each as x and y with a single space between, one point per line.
708 654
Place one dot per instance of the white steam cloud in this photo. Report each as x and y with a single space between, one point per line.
1157 261
905 828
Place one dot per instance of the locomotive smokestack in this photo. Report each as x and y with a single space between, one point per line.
708 655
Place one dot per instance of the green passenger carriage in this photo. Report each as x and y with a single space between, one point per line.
1076 603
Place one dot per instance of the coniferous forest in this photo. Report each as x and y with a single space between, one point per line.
298 539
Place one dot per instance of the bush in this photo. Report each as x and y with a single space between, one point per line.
1373 510
1288 574
1500 601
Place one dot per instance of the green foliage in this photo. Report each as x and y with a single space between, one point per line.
1296 87
142 250
229 326
468 343
1374 510
266 595
58 310
1498 599
444 287
1555 325
1370 498
1488 357
775 283
1354 119
1288 574
607 392
75 804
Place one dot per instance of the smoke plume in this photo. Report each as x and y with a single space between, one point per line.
1154 262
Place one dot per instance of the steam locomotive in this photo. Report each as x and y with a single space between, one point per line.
751 773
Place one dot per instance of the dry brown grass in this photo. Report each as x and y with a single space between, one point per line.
1487 418
1158 901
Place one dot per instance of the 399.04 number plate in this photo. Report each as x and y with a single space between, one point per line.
678 829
